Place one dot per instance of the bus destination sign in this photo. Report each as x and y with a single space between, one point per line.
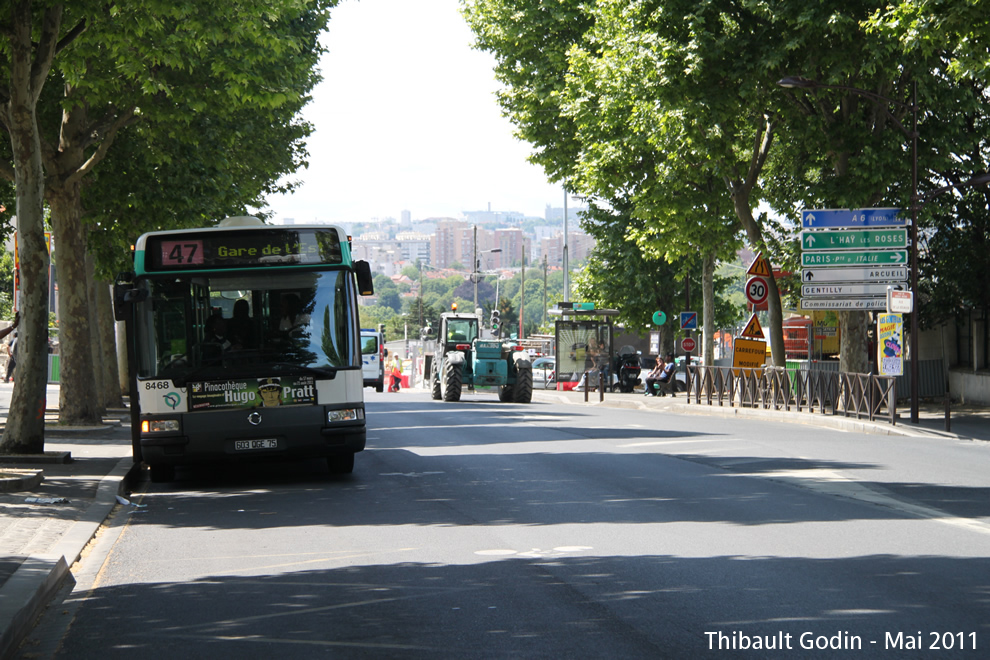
248 248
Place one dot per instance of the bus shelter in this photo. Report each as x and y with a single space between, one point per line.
583 340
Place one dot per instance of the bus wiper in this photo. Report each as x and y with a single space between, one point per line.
183 379
196 374
316 371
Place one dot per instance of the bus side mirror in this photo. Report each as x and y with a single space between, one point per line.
366 286
124 295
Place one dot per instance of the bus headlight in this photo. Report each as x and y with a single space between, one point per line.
160 426
345 415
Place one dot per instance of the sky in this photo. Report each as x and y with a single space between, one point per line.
406 119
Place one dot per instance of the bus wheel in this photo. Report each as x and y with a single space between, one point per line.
162 473
343 464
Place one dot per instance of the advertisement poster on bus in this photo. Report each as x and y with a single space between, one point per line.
252 392
890 340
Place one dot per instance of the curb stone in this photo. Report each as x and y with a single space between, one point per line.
12 480
47 457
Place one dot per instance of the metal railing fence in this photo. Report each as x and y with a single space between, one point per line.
778 388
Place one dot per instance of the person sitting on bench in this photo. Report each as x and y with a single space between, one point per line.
653 377
666 377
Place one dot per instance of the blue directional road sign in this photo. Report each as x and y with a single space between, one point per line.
858 218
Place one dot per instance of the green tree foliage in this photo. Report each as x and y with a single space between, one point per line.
673 107
954 31
950 37
957 250
387 293
232 164
638 282
591 99
167 65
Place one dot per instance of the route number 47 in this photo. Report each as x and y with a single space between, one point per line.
182 253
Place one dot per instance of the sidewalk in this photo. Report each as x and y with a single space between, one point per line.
51 506
966 422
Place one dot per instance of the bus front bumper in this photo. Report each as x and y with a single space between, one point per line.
256 434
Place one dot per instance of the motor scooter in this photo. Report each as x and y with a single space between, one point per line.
626 369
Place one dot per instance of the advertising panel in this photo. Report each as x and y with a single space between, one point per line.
252 392
890 340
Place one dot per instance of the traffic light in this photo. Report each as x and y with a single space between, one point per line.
495 322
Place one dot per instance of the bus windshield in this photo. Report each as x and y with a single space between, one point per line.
202 327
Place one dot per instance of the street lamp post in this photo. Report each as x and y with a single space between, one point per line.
522 285
475 270
798 82
474 262
563 256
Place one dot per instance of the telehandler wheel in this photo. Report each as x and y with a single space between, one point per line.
435 380
452 382
506 394
523 392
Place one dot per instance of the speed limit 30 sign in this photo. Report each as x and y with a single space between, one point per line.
757 290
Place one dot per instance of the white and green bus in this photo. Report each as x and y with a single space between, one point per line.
244 344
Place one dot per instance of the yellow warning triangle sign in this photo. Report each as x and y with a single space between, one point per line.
753 328
760 266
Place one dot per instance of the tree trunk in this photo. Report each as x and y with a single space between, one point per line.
774 307
854 352
96 338
78 400
708 305
111 397
25 429
123 378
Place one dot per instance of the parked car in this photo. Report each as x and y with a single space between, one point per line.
544 372
681 378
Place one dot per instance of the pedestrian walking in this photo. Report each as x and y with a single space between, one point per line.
11 346
396 373
11 357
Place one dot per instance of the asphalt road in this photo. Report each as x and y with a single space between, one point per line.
488 530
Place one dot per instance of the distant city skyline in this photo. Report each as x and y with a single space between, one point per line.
406 120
